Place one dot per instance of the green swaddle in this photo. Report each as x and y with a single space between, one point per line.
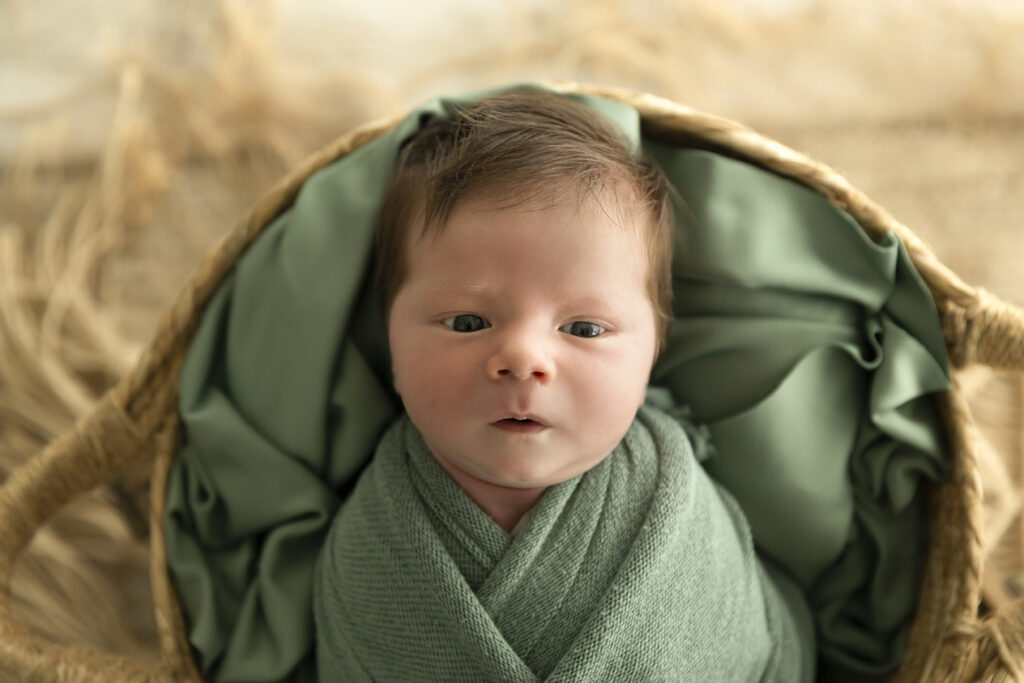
640 569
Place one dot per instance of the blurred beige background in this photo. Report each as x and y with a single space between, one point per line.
133 134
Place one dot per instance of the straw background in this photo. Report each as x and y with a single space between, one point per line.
133 134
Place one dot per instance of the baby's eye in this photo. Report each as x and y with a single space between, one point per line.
583 329
466 322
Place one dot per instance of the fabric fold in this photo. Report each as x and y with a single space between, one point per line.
825 352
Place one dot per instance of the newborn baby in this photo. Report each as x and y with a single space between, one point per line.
531 517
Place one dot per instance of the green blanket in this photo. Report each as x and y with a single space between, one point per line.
641 569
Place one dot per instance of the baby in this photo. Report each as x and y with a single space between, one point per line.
530 518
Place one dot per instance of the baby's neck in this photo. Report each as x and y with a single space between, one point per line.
504 504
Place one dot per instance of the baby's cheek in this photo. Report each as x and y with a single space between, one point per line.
618 396
599 397
431 384
411 375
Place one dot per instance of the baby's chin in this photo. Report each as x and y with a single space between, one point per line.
523 478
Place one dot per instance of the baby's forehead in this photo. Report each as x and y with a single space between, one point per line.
557 241
613 201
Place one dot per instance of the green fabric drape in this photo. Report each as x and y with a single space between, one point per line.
812 353
819 391
641 569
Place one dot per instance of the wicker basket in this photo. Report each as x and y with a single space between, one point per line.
136 423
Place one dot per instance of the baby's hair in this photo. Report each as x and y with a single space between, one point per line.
519 147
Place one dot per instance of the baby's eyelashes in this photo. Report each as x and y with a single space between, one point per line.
470 322
582 328
466 322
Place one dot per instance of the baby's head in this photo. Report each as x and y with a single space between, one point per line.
521 148
524 263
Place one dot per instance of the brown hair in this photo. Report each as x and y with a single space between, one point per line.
527 144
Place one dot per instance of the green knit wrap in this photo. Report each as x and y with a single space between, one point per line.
641 569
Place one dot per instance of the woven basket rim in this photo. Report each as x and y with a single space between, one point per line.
960 581
946 624
662 118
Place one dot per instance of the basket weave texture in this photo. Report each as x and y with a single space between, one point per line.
137 422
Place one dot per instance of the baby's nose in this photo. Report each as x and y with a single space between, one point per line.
520 360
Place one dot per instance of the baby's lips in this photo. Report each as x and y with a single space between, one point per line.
523 417
517 426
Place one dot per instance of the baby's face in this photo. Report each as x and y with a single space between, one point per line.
522 339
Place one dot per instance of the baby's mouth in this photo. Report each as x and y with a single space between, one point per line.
519 426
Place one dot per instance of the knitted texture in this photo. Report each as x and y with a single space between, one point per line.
639 569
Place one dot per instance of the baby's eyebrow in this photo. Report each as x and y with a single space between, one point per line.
463 289
589 302
595 304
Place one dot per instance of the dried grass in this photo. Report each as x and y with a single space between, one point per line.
111 191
